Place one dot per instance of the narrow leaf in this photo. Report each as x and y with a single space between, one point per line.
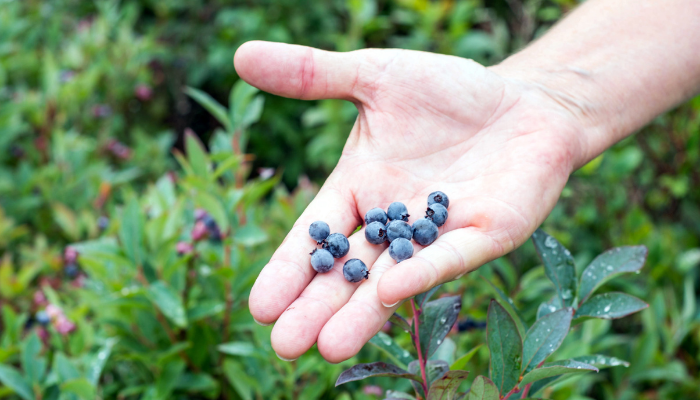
131 231
483 389
558 265
389 346
211 105
436 321
601 362
611 305
239 100
506 347
610 264
394 395
446 351
446 387
434 369
556 368
11 378
507 303
242 349
79 387
33 365
461 362
362 371
169 303
549 307
421 298
545 337
400 321
96 365
197 155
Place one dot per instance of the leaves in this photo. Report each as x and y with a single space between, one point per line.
558 265
385 343
211 105
362 371
507 303
545 337
80 387
169 302
436 320
96 365
434 369
556 368
506 347
549 307
11 378
400 321
601 362
131 231
421 298
446 387
462 361
242 349
610 306
610 264
197 155
34 366
483 389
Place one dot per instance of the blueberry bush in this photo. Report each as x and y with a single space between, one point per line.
140 195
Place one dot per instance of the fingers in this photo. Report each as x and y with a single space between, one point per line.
289 270
298 71
299 325
450 256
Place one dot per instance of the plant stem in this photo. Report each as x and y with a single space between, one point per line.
513 391
416 340
526 390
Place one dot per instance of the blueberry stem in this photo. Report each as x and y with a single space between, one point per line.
416 340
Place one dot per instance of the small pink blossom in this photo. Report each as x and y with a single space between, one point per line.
63 325
39 298
184 248
199 231
70 254
143 92
373 390
53 311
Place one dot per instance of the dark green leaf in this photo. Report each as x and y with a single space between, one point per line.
446 387
239 379
549 307
33 365
168 378
388 345
610 264
239 101
243 349
558 265
446 351
211 105
11 378
434 369
362 371
214 207
545 337
507 303
197 383
169 302
436 321
205 309
506 347
79 387
131 231
64 368
483 389
393 395
601 362
421 298
461 362
97 364
611 305
400 321
556 368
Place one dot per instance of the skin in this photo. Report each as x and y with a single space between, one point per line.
500 141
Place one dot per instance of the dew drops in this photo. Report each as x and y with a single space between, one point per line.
607 308
550 242
443 320
439 341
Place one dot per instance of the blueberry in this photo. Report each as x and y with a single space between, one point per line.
397 211
337 244
439 197
398 229
321 260
212 228
375 232
437 213
102 223
375 214
319 231
71 271
355 270
42 318
401 249
424 231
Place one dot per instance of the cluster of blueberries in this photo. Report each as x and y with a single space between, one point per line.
391 226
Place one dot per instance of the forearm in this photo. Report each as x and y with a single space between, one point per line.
615 64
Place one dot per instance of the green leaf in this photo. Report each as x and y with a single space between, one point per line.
242 349
507 303
556 368
211 105
239 100
545 337
253 111
205 309
400 321
610 305
64 368
446 351
213 206
11 378
131 231
610 264
197 155
169 302
436 321
33 365
549 307
394 395
483 389
446 387
197 383
97 364
434 369
421 298
506 347
461 362
362 371
558 265
385 343
601 362
250 235
80 387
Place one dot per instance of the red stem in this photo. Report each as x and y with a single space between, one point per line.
526 390
513 391
416 339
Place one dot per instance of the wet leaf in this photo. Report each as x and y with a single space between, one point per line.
507 303
446 387
611 305
434 369
545 337
610 264
169 303
436 321
389 346
362 371
11 378
400 321
506 347
421 298
558 265
556 368
483 389
463 360
549 307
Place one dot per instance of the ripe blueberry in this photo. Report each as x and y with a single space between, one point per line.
424 231
375 214
397 211
398 229
71 270
337 244
401 249
321 260
212 228
355 270
42 318
319 231
375 232
437 213
438 197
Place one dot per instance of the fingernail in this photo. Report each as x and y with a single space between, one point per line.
285 359
260 323
390 305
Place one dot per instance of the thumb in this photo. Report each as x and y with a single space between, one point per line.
298 71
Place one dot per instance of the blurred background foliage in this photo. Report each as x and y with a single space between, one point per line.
101 148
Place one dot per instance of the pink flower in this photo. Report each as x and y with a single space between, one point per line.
39 298
143 92
373 390
184 248
63 325
199 231
70 254
53 311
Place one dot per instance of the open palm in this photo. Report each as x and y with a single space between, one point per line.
500 149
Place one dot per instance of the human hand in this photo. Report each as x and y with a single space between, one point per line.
501 149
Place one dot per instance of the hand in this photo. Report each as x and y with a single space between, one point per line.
501 149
